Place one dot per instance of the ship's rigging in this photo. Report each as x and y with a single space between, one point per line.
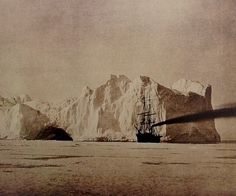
145 121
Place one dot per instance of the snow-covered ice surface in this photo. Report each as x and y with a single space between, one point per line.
80 168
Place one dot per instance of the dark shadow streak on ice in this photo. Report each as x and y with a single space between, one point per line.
227 157
67 157
57 157
3 165
229 149
149 148
4 149
70 146
181 163
223 163
162 163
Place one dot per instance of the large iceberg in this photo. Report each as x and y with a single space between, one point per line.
110 111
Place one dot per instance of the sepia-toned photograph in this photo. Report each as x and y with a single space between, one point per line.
117 97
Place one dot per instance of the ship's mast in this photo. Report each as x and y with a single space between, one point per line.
146 115
143 123
149 119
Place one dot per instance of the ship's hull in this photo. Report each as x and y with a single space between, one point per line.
148 138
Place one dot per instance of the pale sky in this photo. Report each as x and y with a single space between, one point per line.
51 49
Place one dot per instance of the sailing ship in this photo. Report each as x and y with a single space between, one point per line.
145 132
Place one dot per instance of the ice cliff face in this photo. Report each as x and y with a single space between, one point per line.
18 120
22 122
95 113
110 111
193 97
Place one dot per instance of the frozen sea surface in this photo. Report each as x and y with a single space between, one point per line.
78 168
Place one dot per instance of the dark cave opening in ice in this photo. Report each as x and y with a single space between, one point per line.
53 133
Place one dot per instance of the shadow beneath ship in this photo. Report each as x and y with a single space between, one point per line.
53 133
